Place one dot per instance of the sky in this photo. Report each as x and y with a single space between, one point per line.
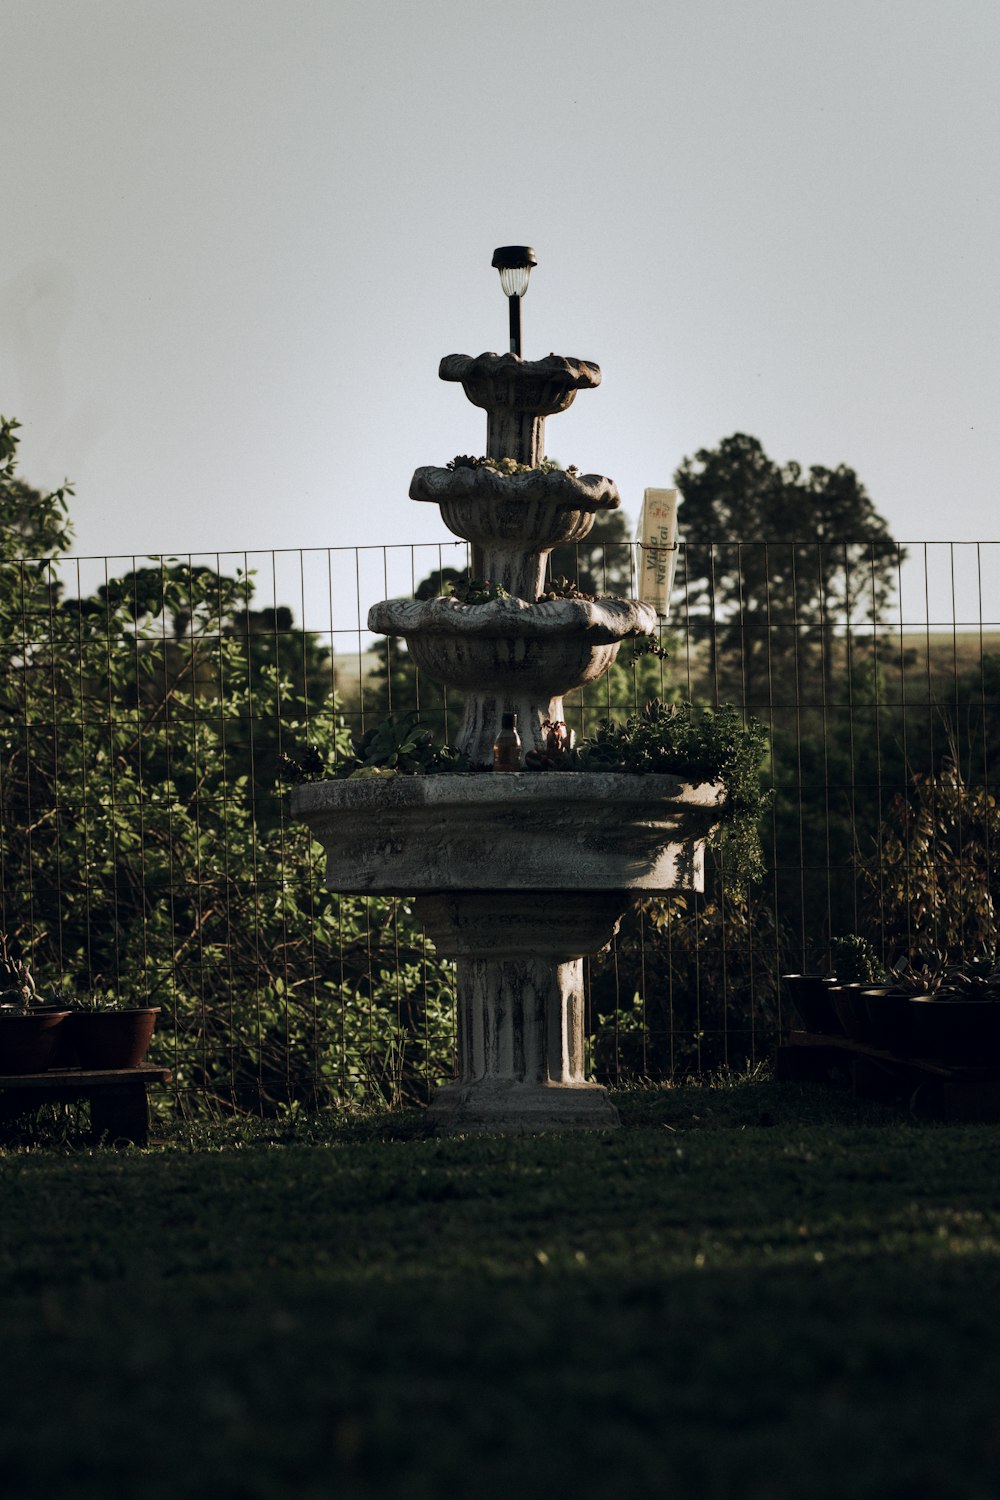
238 236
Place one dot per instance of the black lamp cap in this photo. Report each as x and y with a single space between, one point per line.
510 257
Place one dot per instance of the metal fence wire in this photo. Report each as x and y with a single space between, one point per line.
146 851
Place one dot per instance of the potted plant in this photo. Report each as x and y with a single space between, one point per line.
958 1018
103 1036
858 974
888 1005
811 995
827 1004
29 1025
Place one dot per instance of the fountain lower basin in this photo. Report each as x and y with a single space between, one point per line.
516 877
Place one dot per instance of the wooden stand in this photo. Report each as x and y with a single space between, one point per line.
119 1108
925 1086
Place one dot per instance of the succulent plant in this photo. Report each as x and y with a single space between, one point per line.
398 746
931 973
854 960
17 987
562 588
477 591
508 466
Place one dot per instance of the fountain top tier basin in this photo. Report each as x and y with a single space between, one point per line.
573 830
518 394
542 386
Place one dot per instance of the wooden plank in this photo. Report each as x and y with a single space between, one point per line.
69 1078
119 1106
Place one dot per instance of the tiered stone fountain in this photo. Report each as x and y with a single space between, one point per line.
516 876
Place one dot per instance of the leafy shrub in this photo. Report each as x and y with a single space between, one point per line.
145 855
931 871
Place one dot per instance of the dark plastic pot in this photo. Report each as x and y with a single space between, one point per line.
889 1019
28 1042
810 994
105 1039
852 1012
966 1031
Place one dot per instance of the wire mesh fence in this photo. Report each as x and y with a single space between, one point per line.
146 851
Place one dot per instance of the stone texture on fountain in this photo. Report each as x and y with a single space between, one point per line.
510 656
497 512
577 830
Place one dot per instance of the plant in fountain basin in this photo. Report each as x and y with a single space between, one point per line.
695 744
474 591
699 745
395 747
509 466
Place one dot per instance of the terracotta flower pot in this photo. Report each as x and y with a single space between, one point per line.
28 1041
112 1038
810 994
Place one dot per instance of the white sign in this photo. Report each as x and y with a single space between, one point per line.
657 539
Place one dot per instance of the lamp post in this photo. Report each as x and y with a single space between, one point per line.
514 262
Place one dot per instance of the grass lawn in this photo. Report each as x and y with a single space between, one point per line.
752 1290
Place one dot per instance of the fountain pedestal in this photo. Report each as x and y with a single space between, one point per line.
521 1007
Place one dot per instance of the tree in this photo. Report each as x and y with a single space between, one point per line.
602 562
773 561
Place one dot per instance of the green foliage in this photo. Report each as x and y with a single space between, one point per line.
854 960
700 745
931 870
706 968
145 855
476 590
399 746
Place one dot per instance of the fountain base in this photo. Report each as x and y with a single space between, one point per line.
499 1108
521 1005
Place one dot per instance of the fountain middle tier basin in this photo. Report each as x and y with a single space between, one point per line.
515 518
509 656
543 831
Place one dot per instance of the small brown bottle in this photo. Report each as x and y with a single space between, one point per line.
507 745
